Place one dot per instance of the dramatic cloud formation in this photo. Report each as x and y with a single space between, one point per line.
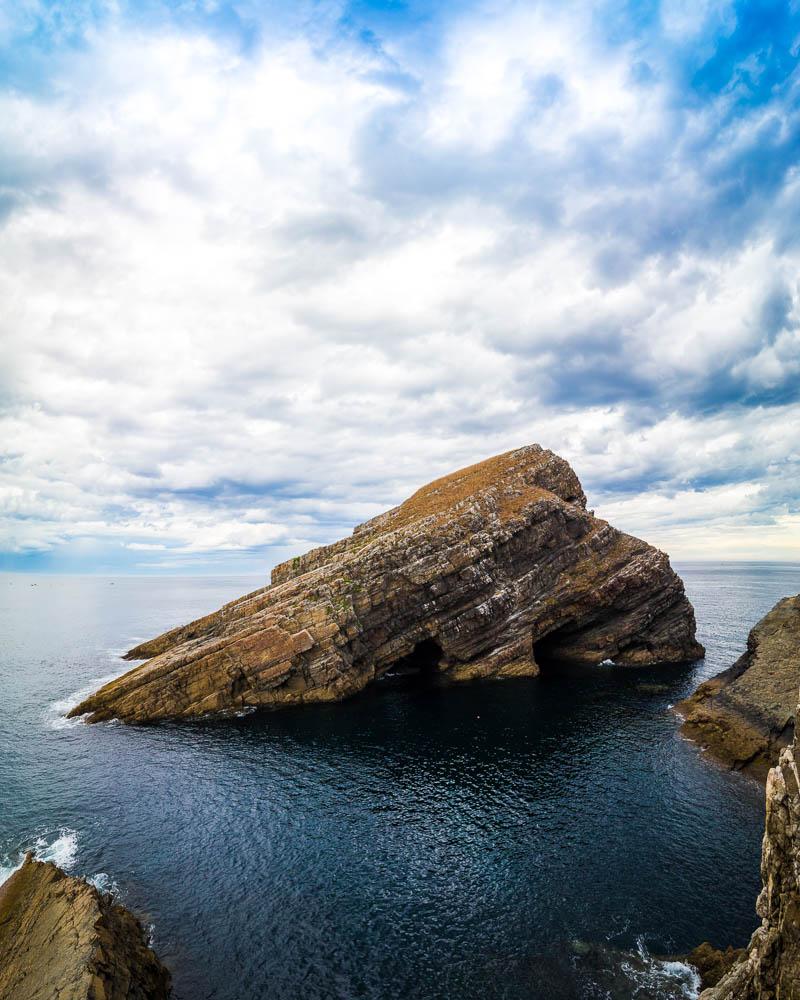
266 268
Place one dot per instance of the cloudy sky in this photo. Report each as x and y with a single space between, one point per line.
266 267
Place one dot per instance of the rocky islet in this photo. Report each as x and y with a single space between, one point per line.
495 571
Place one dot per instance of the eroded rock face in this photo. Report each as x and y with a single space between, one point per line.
61 938
770 968
746 714
489 572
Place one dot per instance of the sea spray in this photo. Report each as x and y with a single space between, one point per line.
618 974
656 977
55 714
60 847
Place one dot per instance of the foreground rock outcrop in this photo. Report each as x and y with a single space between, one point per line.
61 939
493 571
745 715
713 964
770 966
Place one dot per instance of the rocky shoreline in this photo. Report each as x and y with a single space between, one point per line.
62 938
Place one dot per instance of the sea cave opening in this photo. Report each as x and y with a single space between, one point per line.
420 664
552 650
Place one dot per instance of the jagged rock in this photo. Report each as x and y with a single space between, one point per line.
61 938
770 967
712 963
488 572
746 714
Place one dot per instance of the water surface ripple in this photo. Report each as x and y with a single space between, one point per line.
502 840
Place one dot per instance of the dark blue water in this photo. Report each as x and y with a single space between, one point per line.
492 840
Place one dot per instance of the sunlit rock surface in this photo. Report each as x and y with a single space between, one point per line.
61 939
495 571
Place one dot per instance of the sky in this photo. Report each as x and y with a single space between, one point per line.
266 268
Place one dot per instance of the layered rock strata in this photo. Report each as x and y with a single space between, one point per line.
62 939
745 715
497 570
770 966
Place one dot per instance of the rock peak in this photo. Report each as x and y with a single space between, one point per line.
500 483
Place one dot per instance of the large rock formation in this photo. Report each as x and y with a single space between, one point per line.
746 714
770 966
61 939
493 571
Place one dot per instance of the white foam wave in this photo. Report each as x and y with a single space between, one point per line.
661 977
61 848
56 712
55 716
103 882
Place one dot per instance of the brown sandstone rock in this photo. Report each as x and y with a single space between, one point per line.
746 714
61 939
770 967
492 571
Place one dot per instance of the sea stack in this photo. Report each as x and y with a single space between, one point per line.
495 571
61 938
745 715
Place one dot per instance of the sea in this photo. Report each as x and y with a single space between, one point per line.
542 838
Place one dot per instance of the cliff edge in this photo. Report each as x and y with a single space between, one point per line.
770 966
497 570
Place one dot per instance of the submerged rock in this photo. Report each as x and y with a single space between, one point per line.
497 570
770 966
582 969
61 938
746 714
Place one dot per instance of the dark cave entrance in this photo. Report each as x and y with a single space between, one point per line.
552 651
421 664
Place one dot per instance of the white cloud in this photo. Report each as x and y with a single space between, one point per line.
228 327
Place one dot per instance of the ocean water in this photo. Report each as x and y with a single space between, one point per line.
544 838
